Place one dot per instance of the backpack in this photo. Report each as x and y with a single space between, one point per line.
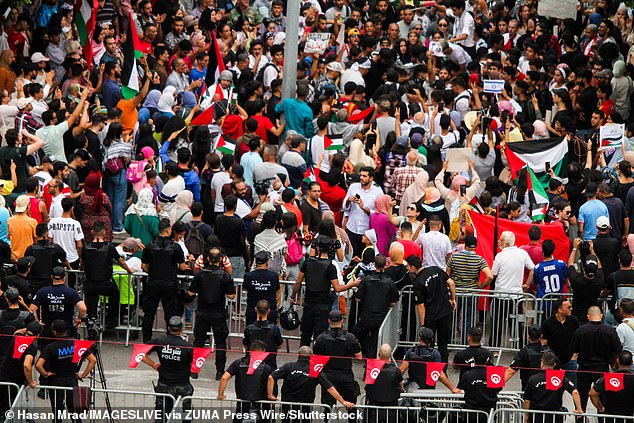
134 173
8 327
295 251
194 240
260 75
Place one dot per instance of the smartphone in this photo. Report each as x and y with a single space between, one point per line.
547 166
463 190
357 196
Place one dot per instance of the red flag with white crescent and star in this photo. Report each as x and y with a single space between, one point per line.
373 367
317 363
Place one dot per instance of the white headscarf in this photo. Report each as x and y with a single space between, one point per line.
144 204
166 101
357 155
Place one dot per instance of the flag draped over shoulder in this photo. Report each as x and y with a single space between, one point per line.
535 154
130 75
85 19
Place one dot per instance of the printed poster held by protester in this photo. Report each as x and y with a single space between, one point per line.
611 139
317 42
559 9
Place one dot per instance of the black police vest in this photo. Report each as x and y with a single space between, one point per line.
97 263
336 344
316 280
9 327
376 299
212 287
264 333
44 257
162 266
418 357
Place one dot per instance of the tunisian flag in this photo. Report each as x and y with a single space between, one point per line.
80 348
255 359
495 377
554 379
317 363
138 354
200 355
373 367
434 370
20 344
613 381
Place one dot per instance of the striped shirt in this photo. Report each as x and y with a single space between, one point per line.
118 149
465 268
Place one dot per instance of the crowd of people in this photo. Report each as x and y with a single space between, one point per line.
152 136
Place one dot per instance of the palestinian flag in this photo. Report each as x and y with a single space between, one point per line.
224 146
333 142
309 176
130 74
205 118
535 153
216 64
85 19
536 192
360 115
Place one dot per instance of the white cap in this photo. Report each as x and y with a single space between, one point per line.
24 101
39 57
603 222
335 67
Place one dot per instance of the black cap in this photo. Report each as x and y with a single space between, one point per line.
591 265
58 272
12 295
591 190
335 316
175 322
24 263
262 257
470 241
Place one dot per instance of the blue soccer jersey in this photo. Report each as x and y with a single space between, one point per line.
550 277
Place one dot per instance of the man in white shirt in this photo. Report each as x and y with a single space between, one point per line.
55 189
66 232
463 26
436 246
509 265
625 330
358 205
456 54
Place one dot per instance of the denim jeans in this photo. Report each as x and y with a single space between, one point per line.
116 189
238 267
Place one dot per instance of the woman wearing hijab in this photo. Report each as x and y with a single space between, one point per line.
452 194
135 174
357 158
383 222
414 192
181 211
167 102
151 102
141 219
433 204
95 207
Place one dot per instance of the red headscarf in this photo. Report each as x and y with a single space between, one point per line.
92 187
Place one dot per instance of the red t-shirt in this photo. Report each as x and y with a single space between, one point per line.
411 248
333 196
264 126
535 253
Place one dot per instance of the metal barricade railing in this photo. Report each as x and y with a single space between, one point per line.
505 415
409 413
444 399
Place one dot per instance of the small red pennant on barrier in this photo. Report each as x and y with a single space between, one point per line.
80 348
200 355
434 370
138 354
613 381
554 379
20 345
373 367
495 377
317 363
255 359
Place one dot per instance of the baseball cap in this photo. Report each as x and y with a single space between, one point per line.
58 272
226 75
175 322
591 265
403 141
190 20
603 222
24 263
335 316
262 257
591 190
12 294
39 57
471 241
21 204
335 67
24 101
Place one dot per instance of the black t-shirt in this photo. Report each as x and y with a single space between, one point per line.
588 102
597 345
430 288
399 275
163 255
267 332
298 386
339 344
20 283
10 321
619 279
111 256
56 302
586 292
386 388
476 394
558 336
617 402
319 297
230 230
465 358
616 211
545 399
175 355
12 369
42 270
310 216
528 361
607 250
376 292
58 357
250 387
261 284
221 282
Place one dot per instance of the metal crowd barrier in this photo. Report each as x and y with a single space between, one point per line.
505 415
409 413
445 399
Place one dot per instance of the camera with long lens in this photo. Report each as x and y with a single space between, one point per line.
93 328
262 187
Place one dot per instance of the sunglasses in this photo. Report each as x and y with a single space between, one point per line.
442 25
411 208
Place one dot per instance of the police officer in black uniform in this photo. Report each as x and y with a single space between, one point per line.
12 319
213 285
386 389
261 284
338 343
477 396
537 397
55 364
616 403
249 387
175 356
47 256
97 259
58 301
320 275
299 387
415 359
528 359
20 280
162 260
262 329
376 294
465 358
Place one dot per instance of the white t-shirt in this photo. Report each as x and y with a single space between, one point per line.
436 246
217 182
65 232
626 335
56 206
509 267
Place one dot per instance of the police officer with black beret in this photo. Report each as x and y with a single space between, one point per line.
477 396
298 386
376 294
338 343
386 389
175 356
262 329
537 397
212 285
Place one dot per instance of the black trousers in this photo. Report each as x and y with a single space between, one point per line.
442 329
216 321
245 408
94 289
367 332
377 415
345 384
585 381
357 243
314 322
168 296
59 399
165 405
